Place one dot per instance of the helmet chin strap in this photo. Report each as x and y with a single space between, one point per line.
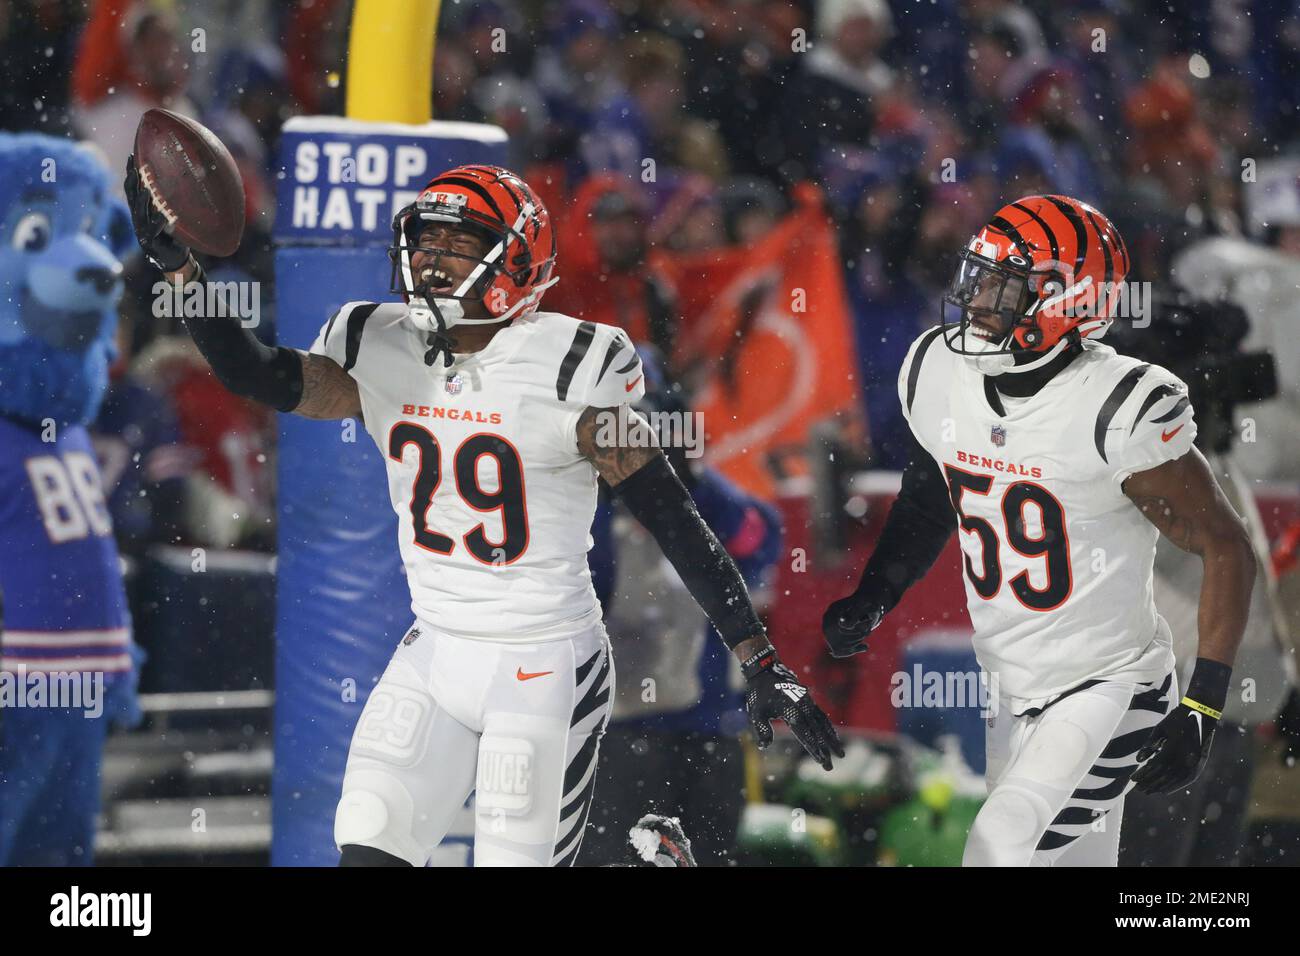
1016 368
439 340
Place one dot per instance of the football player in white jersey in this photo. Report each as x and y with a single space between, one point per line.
494 420
1060 461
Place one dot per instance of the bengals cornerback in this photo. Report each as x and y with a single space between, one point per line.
1059 462
488 413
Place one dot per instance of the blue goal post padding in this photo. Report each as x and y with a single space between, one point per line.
341 597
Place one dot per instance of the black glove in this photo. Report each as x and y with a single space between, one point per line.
1178 747
1288 728
774 692
150 225
848 621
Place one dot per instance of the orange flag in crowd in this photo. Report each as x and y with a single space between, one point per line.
767 339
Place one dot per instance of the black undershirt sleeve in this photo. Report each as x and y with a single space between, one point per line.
916 530
272 376
657 498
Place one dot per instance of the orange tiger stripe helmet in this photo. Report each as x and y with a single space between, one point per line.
1046 270
498 205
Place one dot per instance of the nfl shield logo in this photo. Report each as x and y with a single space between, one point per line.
454 384
998 436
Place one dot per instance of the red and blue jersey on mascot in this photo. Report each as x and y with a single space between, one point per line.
66 659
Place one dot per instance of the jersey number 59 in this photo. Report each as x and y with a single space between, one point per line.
1051 544
508 498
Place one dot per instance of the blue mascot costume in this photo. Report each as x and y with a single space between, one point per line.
67 662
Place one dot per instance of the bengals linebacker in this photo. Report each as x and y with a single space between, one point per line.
493 419
1060 462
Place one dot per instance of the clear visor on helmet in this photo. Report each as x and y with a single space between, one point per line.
984 303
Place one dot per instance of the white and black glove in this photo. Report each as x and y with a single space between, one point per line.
774 692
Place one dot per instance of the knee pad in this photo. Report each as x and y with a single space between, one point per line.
1057 756
376 810
1007 828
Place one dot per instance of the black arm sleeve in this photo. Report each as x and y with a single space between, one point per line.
918 527
272 376
657 498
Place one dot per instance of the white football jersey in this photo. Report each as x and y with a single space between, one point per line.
1057 560
494 503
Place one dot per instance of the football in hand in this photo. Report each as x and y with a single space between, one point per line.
193 180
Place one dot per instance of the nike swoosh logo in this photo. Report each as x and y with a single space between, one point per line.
522 676
1165 436
632 384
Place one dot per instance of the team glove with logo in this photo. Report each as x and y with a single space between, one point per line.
849 620
1180 744
776 693
150 225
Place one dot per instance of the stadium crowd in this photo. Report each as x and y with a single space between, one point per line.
681 126
662 129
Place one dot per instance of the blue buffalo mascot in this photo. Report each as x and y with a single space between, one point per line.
67 662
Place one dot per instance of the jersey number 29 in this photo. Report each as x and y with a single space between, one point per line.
508 498
1051 544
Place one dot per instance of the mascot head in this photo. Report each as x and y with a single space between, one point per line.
62 232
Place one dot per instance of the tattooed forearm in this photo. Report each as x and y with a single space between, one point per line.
327 390
617 441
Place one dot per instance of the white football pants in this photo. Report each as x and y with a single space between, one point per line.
1057 775
518 724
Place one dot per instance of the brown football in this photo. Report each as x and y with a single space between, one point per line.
193 179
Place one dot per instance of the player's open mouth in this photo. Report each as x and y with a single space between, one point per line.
981 330
434 279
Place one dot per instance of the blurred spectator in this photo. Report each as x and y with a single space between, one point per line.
739 55
482 68
1015 19
37 47
690 218
129 60
832 99
229 499
995 68
751 208
453 80
1174 192
609 274
250 104
142 461
672 746
649 122
576 72
1049 109
315 45
889 307
1099 54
